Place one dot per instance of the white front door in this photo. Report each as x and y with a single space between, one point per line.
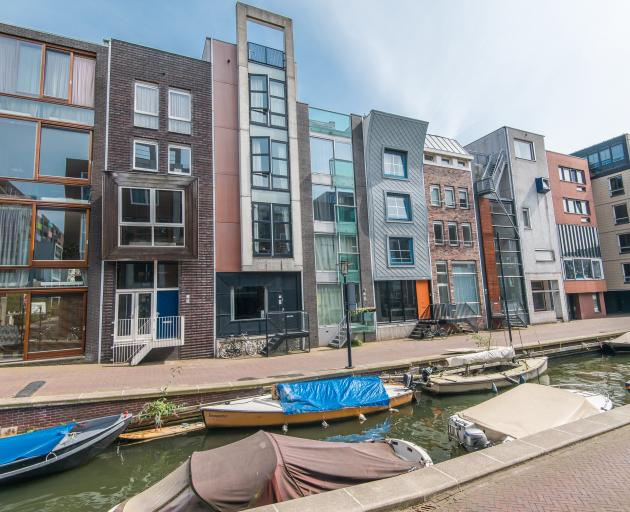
133 314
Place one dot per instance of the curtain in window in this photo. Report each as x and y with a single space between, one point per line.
83 81
57 74
325 256
465 285
147 100
258 86
8 63
329 304
15 234
179 105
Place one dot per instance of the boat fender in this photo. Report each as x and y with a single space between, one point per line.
494 388
285 428
362 418
324 424
393 409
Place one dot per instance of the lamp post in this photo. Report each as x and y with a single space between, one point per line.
343 267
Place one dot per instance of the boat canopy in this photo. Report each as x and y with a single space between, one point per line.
32 444
331 394
487 356
267 468
528 409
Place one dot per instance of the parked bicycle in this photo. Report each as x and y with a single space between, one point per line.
433 330
237 347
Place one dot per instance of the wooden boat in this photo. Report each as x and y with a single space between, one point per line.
267 411
55 449
266 468
617 345
162 432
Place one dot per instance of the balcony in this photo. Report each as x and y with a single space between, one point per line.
265 55
134 338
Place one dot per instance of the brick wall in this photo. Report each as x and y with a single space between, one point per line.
490 258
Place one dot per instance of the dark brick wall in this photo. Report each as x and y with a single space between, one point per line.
129 63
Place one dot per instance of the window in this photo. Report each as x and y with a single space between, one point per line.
461 163
279 166
463 198
151 217
626 272
604 156
325 253
542 295
346 211
438 232
572 175
624 243
322 156
64 153
57 74
343 151
329 304
324 200
597 269
57 322
527 222
179 159
596 304
15 234
615 185
429 158
272 230
146 105
395 163
179 111
453 239
277 104
620 213
617 152
261 164
17 147
593 160
444 292
446 161
396 301
20 66
145 155
248 302
279 170
258 105
467 235
83 72
435 195
465 285
569 269
60 234
449 197
523 149
398 207
577 206
400 251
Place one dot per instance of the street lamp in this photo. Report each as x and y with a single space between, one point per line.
343 268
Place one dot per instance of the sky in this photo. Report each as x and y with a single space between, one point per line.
554 67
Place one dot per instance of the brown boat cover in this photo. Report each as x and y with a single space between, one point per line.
268 468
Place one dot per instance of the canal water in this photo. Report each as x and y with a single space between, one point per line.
123 471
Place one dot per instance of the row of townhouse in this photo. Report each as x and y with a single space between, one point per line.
155 205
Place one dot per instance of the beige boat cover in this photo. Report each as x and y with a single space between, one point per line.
495 355
528 409
624 339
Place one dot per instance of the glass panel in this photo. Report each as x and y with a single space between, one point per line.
60 234
179 160
329 304
168 235
346 214
136 205
15 234
465 285
12 318
343 151
83 71
43 278
322 157
64 153
398 207
324 199
44 110
329 123
134 275
44 191
135 235
435 196
597 269
125 313
523 149
569 271
276 88
249 302
348 244
604 156
17 148
449 197
20 66
57 74
395 163
617 152
438 232
57 322
145 156
325 253
168 206
167 275
401 251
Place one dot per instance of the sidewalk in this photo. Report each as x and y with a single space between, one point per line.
71 380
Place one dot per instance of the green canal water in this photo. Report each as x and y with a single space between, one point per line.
123 471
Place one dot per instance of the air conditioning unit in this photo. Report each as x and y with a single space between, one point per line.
542 185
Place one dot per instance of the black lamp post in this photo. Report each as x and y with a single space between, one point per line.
343 268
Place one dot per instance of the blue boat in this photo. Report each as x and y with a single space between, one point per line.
55 449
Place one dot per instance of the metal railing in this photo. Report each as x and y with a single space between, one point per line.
287 329
265 55
135 337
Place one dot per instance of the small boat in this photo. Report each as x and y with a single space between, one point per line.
481 371
162 432
266 468
55 449
308 402
617 345
525 410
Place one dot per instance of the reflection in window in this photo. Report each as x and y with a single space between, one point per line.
44 191
15 234
43 278
179 160
395 163
17 148
60 234
329 304
145 155
57 322
322 156
64 153
248 302
325 253
324 199
12 323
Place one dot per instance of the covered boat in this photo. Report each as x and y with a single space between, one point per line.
55 449
267 468
481 371
308 402
525 410
619 344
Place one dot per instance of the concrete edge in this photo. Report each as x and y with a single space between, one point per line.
420 486
184 390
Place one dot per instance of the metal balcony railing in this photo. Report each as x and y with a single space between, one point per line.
265 55
136 337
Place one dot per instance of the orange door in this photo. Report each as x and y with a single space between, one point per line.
423 298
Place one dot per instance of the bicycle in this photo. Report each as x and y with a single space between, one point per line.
433 330
234 347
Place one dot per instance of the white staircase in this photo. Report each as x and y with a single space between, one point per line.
135 338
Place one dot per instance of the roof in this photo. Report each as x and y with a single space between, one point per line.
444 144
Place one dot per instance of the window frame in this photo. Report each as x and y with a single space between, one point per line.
459 199
451 242
445 275
148 142
264 110
286 106
446 204
272 224
146 85
404 155
625 272
179 146
181 92
438 241
439 191
623 249
406 204
233 304
390 263
470 242
526 214
617 191
531 146
624 220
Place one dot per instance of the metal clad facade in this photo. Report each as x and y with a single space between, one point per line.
579 241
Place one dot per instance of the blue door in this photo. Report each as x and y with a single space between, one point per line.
167 308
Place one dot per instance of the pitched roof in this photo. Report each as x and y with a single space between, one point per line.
444 144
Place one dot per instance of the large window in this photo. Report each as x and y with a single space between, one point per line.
449 197
523 149
394 163
179 111
15 234
277 104
64 153
322 156
145 155
60 234
443 287
435 195
269 170
325 253
324 200
272 230
346 211
438 232
179 159
57 322
329 304
571 175
279 165
542 295
151 217
267 101
398 207
624 243
146 105
396 301
258 102
463 198
620 213
465 284
249 302
400 251
17 147
577 206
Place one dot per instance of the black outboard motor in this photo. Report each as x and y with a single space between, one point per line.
425 373
408 381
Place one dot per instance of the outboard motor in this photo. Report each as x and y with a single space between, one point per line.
408 381
425 373
474 439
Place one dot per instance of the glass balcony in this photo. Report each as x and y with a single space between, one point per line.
329 123
265 55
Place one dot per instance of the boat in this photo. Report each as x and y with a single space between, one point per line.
525 410
621 344
267 468
308 402
161 432
480 371
54 449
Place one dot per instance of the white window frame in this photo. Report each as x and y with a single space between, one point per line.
146 85
459 201
455 242
454 205
181 92
157 155
152 223
467 243
179 146
525 212
531 145
437 241
431 189
596 303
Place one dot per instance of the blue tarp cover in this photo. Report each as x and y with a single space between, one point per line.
32 444
332 394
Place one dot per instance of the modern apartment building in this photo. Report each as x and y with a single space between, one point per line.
512 189
572 195
457 289
609 166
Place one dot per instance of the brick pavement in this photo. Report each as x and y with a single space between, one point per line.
82 378
591 476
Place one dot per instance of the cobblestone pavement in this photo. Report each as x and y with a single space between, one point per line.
591 476
83 378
